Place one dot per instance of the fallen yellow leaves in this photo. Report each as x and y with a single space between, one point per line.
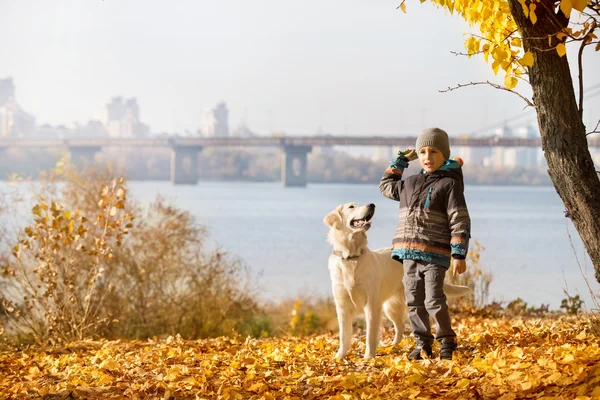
549 358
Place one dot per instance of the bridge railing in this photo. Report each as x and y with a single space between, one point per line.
257 141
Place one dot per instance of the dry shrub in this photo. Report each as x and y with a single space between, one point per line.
303 316
169 283
3 254
573 304
476 277
54 288
94 263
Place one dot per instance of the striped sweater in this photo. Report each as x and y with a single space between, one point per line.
434 222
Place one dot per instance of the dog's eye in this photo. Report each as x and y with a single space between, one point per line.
350 206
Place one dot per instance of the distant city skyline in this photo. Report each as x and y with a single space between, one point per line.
350 68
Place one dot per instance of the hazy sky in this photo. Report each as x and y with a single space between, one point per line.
352 66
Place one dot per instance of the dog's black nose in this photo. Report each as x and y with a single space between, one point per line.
371 205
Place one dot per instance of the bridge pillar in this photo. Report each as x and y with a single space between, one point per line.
294 165
83 156
184 164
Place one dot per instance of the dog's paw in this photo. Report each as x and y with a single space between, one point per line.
340 355
368 356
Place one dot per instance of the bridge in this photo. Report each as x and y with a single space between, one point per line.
185 150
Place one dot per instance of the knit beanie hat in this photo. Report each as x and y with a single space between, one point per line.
434 137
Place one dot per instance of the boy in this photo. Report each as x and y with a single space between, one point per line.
433 232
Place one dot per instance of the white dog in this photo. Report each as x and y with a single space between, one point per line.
365 280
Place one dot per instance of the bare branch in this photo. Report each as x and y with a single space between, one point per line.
595 129
457 53
580 68
584 43
494 85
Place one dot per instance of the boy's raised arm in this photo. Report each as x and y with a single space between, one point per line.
391 183
459 222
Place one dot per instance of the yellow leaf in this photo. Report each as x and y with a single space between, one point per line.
462 383
71 226
110 365
36 211
403 7
258 388
582 335
596 392
568 358
510 81
554 377
496 66
104 379
526 385
579 5
561 49
532 15
527 60
517 352
566 7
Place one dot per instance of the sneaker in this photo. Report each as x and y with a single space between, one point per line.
446 350
416 353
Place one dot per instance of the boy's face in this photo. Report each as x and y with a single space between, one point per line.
431 158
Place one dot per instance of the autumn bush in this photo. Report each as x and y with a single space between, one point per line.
301 316
54 279
3 252
476 277
92 262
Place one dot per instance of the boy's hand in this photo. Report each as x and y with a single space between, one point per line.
458 266
410 154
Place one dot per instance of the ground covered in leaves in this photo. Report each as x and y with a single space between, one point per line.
506 358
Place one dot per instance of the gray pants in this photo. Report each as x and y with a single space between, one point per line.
424 288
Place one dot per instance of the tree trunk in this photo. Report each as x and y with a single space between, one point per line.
561 125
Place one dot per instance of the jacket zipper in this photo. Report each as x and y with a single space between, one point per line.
428 197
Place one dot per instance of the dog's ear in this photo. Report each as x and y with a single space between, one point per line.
334 218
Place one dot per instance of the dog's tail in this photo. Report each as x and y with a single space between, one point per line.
456 290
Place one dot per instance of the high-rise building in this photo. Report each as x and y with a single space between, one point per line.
215 122
504 157
383 153
471 155
123 118
14 121
528 156
7 91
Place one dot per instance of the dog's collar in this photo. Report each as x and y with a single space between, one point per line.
339 254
